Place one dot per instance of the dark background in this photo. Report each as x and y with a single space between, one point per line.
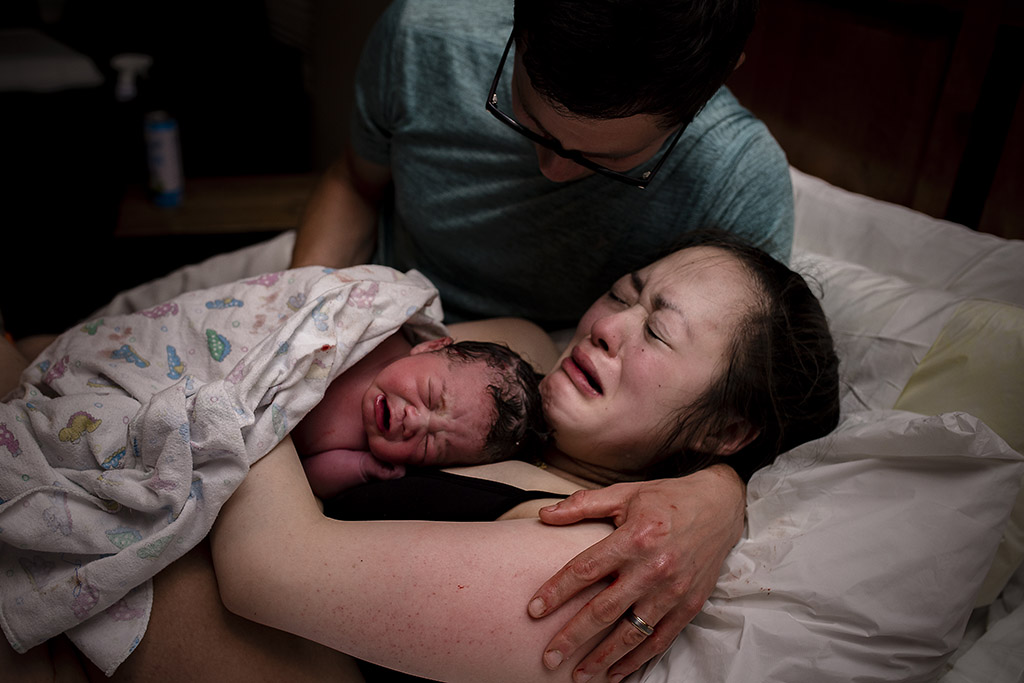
917 103
913 102
239 97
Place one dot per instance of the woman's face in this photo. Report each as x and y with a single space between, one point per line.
641 354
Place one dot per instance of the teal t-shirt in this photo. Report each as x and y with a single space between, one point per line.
473 213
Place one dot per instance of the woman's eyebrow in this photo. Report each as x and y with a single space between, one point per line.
442 392
637 281
658 301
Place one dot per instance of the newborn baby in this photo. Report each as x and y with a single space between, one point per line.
437 403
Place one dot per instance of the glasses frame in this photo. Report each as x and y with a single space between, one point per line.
492 106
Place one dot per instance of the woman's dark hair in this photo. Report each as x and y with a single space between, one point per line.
782 375
519 425
608 59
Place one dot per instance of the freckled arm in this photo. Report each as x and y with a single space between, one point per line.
444 600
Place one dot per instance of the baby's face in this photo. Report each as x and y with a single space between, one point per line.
425 410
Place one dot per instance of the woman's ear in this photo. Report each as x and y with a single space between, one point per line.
731 439
431 345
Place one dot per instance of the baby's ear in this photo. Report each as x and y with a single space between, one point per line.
431 345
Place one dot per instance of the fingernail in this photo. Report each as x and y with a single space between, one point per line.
582 676
536 607
550 508
552 659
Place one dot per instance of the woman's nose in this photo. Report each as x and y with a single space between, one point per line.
606 333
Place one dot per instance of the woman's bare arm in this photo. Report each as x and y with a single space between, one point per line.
441 600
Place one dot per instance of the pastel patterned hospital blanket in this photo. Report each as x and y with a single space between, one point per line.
129 433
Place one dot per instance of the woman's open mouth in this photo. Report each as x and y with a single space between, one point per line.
582 373
381 413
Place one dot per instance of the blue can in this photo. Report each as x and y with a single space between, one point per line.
163 157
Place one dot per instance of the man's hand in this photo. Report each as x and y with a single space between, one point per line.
666 554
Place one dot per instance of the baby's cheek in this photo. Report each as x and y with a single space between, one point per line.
394 452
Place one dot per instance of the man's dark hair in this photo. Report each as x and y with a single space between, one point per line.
519 426
607 59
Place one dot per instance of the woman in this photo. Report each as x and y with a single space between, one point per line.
679 357
714 352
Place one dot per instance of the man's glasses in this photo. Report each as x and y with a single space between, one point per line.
640 181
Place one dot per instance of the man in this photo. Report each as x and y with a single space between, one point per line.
522 170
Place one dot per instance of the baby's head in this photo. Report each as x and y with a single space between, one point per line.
450 403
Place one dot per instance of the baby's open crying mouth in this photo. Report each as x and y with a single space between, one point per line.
383 413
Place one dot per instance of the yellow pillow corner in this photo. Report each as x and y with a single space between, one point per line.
976 365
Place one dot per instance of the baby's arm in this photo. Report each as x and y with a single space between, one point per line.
333 471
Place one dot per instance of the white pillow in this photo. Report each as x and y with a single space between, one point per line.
882 325
893 239
977 365
927 351
862 556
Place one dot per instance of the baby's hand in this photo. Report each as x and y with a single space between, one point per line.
331 472
374 468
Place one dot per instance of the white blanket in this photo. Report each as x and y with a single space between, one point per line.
130 432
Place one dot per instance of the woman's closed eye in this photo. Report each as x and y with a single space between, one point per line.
621 299
615 297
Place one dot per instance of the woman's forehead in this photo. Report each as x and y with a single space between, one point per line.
704 279
695 262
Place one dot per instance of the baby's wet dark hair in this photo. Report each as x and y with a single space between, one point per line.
519 426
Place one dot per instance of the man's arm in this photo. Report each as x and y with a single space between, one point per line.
339 225
671 540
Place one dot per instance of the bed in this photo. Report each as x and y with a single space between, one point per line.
892 549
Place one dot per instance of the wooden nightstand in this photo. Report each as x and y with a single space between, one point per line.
211 206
